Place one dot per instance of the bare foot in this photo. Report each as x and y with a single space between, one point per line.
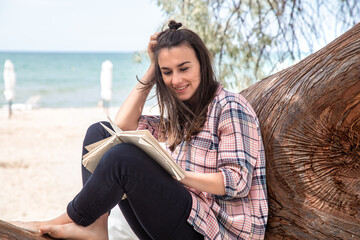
34 226
96 231
28 226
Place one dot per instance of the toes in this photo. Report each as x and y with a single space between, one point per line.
52 230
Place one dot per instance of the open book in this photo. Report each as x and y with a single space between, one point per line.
143 139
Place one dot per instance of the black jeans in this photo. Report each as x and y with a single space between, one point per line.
157 206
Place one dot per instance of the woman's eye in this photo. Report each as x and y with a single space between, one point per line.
166 73
184 69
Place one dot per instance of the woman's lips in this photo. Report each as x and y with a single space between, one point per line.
181 89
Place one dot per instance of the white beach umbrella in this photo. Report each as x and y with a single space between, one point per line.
106 77
9 81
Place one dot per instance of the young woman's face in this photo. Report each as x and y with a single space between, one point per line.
180 71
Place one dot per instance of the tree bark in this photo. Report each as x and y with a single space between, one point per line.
310 121
11 232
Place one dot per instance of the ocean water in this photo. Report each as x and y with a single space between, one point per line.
70 79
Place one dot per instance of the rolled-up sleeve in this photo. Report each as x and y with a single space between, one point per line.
238 149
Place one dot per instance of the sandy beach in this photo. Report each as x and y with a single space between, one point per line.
40 160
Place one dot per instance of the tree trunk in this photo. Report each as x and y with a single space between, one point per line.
11 232
310 120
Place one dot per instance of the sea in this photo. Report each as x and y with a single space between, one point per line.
68 79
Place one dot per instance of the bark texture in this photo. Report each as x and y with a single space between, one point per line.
11 232
310 121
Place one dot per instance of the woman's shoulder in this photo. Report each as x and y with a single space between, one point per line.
225 98
234 104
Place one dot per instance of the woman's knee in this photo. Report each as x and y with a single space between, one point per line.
95 128
96 132
122 151
124 155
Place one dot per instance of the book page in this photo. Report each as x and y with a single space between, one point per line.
154 150
95 145
142 139
92 158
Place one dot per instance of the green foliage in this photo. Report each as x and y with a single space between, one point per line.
249 39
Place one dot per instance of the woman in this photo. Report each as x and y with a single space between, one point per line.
212 134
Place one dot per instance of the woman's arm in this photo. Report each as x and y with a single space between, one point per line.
130 111
212 183
237 155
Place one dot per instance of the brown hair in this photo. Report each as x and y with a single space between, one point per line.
183 120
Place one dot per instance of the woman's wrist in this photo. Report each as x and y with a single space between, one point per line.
148 76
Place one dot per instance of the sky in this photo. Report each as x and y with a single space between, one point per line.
84 25
78 25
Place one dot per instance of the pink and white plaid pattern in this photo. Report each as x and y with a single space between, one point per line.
230 142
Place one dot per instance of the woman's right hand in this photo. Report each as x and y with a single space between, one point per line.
151 47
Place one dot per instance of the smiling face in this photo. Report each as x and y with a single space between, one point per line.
180 70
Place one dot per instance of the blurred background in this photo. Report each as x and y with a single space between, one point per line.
57 46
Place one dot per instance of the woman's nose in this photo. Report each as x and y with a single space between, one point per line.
176 78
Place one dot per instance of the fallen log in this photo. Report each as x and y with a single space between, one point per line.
310 120
11 232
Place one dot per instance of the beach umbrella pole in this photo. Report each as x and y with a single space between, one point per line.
106 104
9 83
10 109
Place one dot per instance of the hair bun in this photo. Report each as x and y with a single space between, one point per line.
174 25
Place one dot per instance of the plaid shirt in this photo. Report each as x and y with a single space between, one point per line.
230 142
